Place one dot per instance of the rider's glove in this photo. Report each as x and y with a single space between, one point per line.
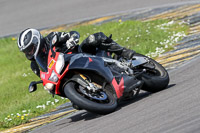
71 43
75 37
54 39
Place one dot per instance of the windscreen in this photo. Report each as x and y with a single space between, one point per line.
41 59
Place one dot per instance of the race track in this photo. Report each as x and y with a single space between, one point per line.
174 110
17 15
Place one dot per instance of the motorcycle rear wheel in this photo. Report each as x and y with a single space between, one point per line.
72 91
155 79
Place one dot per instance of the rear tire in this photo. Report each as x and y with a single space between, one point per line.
157 81
79 99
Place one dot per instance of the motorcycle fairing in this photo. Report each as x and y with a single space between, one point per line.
119 88
123 85
91 63
51 67
82 62
138 60
94 63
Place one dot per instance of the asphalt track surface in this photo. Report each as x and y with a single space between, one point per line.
17 15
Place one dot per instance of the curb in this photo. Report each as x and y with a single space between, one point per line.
37 122
189 47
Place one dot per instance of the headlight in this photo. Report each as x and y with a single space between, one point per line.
53 77
49 86
60 63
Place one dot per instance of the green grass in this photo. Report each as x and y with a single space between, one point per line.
14 81
143 37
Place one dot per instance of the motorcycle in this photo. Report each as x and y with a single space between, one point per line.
89 81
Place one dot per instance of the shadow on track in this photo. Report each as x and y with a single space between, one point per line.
85 116
140 96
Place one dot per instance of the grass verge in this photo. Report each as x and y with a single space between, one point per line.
18 105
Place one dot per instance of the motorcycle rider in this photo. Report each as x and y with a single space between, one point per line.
30 41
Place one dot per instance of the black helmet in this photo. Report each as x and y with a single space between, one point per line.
29 42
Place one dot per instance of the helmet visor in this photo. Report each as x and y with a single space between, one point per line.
30 50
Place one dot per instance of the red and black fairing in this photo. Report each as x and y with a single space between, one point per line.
97 65
80 61
51 67
90 63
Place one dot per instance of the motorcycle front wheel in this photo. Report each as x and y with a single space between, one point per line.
102 102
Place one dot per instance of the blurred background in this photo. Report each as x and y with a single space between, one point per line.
16 15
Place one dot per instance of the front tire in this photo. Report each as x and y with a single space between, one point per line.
82 101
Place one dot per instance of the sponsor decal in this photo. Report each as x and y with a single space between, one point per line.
43 76
90 60
51 64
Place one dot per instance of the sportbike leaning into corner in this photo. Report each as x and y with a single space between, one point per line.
95 75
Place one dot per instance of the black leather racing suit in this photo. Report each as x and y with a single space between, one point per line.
89 45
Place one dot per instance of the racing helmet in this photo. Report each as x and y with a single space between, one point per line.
29 42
